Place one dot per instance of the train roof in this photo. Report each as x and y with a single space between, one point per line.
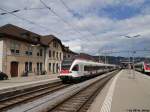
89 62
142 62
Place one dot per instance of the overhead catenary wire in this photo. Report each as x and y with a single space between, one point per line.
39 8
24 9
27 20
63 20
14 11
69 10
126 51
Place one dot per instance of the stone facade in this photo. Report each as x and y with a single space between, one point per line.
22 55
54 57
29 54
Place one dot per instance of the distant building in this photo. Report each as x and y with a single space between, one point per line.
86 56
68 54
23 51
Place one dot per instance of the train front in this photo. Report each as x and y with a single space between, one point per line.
65 73
147 67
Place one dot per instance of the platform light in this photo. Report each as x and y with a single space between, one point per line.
132 37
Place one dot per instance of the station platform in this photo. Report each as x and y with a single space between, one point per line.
17 83
128 91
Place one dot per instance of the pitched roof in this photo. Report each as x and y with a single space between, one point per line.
15 32
47 39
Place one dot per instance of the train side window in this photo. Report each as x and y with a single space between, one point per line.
75 68
101 67
87 68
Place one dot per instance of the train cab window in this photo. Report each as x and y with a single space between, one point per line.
75 68
147 65
66 64
65 67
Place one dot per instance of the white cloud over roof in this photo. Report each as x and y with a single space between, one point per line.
93 27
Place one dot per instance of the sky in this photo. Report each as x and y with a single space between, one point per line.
90 26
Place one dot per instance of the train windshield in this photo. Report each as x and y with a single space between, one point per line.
75 68
148 65
66 64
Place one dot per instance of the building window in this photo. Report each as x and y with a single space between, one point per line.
55 44
14 47
26 66
41 66
12 51
68 56
65 56
30 66
38 54
30 53
26 52
49 67
41 52
17 51
53 67
53 54
57 55
57 68
49 53
37 67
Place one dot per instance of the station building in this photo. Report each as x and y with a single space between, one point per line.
54 53
23 51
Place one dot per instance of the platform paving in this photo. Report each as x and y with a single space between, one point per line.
124 93
19 82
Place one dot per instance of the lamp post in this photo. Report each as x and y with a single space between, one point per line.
103 54
99 56
132 37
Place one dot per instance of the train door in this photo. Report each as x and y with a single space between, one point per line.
81 69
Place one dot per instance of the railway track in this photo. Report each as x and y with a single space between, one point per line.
29 94
81 101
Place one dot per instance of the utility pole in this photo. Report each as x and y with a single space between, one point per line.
99 56
132 51
82 49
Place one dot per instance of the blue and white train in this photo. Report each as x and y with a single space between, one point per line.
81 69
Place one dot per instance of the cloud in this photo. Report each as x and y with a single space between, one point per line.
90 28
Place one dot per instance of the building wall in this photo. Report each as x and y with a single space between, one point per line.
1 54
21 57
54 57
